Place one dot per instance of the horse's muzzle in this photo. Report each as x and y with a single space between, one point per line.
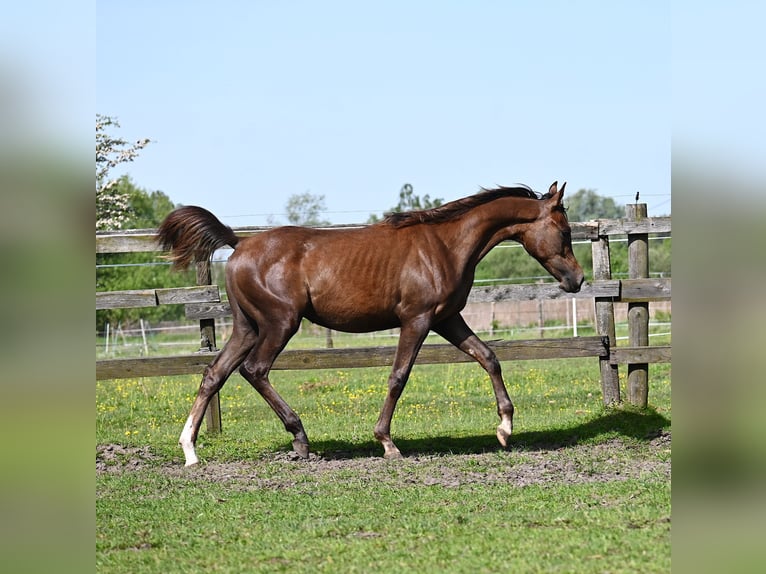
571 283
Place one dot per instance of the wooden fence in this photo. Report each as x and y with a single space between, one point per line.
203 303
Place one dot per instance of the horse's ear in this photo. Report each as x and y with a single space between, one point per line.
555 193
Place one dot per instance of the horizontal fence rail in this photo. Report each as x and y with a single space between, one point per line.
154 297
625 290
358 357
143 241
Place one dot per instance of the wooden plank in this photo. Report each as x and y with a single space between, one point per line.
143 240
584 230
153 366
562 348
536 291
484 294
153 297
125 299
625 226
655 289
205 303
355 358
653 354
207 310
196 294
139 242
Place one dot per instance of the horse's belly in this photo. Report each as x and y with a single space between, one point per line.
354 323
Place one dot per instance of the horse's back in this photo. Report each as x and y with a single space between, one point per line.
301 244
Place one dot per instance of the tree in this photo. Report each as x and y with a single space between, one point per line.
122 271
111 204
586 204
146 210
408 201
305 209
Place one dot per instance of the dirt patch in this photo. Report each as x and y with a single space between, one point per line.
115 458
613 460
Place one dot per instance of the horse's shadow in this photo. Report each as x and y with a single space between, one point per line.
643 425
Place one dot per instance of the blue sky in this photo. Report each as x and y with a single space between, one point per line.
247 103
719 87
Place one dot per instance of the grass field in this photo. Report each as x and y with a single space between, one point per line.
581 489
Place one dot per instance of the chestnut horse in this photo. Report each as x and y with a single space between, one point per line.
413 270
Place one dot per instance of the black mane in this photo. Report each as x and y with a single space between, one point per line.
458 207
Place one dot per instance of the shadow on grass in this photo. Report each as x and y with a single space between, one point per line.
640 425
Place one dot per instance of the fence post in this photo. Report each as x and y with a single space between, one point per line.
540 315
574 317
602 270
207 344
638 313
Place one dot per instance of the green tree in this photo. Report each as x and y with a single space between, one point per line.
510 264
146 209
306 209
660 255
408 201
586 204
112 205
123 271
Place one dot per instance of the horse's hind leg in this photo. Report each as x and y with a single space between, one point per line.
215 376
255 369
459 334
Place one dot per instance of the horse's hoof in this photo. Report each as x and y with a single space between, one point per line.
191 459
301 448
503 436
393 455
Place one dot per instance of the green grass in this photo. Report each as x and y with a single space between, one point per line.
374 516
151 524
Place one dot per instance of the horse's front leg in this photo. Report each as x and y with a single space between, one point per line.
410 340
459 334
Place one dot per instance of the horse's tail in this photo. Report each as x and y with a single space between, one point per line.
192 234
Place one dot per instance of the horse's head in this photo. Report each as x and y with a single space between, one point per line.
549 240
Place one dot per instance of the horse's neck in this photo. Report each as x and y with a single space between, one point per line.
479 230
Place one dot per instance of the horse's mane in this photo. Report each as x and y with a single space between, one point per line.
458 207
